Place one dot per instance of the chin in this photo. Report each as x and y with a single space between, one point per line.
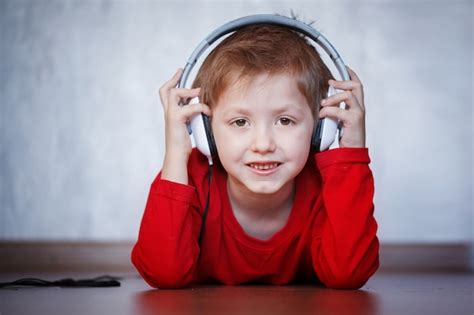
264 188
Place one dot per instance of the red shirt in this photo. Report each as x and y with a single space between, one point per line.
330 236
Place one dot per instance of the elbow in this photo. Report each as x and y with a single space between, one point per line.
350 270
352 280
167 281
162 274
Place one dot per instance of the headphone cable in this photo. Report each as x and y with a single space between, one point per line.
206 209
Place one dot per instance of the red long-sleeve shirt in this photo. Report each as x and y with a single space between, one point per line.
330 236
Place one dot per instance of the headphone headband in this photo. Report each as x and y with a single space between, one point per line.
264 19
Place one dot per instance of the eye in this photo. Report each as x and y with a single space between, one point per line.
285 121
239 122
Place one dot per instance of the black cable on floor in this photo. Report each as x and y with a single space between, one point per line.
98 282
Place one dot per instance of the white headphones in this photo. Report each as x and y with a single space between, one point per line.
326 130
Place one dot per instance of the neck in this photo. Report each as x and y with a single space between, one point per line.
261 206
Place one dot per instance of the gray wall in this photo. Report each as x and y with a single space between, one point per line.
82 128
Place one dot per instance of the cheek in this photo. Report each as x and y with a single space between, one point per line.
227 143
300 137
297 145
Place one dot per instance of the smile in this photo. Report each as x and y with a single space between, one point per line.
264 168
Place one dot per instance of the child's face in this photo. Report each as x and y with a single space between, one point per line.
263 132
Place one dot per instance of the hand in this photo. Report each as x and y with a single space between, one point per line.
178 143
176 116
353 117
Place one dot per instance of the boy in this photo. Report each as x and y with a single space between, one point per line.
277 213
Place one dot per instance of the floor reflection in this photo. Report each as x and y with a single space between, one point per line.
256 300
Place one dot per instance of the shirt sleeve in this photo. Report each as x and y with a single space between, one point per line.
346 250
167 249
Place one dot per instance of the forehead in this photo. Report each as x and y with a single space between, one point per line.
264 92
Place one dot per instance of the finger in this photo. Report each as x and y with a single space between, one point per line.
205 109
177 94
168 85
359 93
336 98
348 85
353 86
189 111
348 118
345 96
333 112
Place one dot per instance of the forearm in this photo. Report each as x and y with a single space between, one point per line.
166 251
346 251
175 167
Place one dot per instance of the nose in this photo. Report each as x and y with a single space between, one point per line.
263 140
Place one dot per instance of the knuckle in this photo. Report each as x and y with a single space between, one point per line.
199 108
345 96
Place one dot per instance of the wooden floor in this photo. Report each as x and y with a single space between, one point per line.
386 293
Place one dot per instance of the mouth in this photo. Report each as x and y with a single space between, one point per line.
264 166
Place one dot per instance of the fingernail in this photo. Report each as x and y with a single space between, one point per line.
324 101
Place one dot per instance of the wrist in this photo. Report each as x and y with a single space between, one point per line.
175 167
179 156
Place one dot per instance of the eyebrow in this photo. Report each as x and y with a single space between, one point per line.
275 111
288 107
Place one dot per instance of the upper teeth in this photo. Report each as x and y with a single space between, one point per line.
263 166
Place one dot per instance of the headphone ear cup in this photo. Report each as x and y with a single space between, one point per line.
325 131
210 136
200 130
